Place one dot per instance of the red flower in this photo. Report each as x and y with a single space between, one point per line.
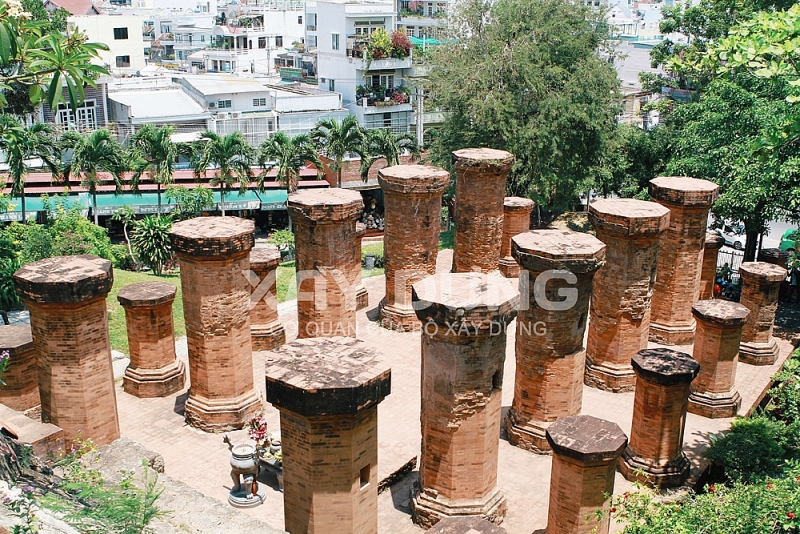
613 510
790 515
712 488
769 485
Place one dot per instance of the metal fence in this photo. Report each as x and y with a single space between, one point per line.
733 258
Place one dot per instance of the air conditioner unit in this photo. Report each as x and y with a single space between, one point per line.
235 114
222 116
212 105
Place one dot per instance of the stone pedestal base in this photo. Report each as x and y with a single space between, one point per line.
21 401
149 383
46 439
427 509
759 353
212 415
659 476
672 335
397 318
268 336
242 499
609 377
715 405
362 297
508 267
530 435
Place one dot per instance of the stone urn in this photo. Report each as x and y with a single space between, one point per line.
246 491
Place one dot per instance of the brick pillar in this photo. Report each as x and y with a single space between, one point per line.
775 256
154 370
619 319
413 205
480 190
324 229
465 525
716 349
266 329
327 391
362 297
549 344
516 219
214 253
66 297
659 417
681 255
21 389
585 452
708 272
761 283
464 317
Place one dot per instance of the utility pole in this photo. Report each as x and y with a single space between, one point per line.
420 115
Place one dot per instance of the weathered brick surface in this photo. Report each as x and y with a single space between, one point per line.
154 370
465 525
412 205
716 349
266 328
362 297
663 377
21 389
325 229
46 439
516 219
69 324
585 452
214 253
549 339
464 320
708 271
774 256
480 190
619 319
327 391
761 283
680 256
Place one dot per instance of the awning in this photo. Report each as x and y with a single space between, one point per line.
235 201
273 199
35 204
146 203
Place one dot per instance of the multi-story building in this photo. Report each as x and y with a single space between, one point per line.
421 18
123 36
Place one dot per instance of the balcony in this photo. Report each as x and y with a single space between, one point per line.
311 27
358 51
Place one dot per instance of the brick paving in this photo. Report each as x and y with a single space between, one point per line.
201 459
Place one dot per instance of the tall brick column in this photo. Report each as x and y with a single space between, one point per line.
327 391
549 340
680 257
413 205
761 283
266 328
464 317
21 389
480 190
214 253
516 219
154 370
362 297
659 417
620 307
66 296
325 230
708 271
716 349
585 452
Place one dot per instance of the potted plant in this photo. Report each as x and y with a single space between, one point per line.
401 45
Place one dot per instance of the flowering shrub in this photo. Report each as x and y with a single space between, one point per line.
401 44
257 427
380 44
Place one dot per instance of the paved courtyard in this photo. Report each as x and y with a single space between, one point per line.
201 460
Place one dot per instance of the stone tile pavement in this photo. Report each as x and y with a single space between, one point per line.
201 460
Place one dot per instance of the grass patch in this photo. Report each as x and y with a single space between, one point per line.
446 239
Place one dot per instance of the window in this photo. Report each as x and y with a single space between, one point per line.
123 61
387 120
120 33
364 476
202 38
84 119
300 20
278 41
179 37
312 41
331 85
262 42
223 104
335 41
259 102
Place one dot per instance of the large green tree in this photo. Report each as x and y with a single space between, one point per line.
288 156
532 77
155 154
231 157
335 139
385 144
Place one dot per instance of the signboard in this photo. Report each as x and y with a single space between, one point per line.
240 205
273 206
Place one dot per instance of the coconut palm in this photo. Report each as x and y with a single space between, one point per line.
156 154
231 155
387 145
92 153
335 140
288 156
21 145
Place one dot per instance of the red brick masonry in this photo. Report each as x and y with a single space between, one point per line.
21 388
266 329
516 219
761 283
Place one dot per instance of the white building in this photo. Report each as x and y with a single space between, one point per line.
340 31
422 18
123 36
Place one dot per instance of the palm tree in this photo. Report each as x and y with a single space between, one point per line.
155 154
385 144
94 152
231 155
22 144
288 156
335 140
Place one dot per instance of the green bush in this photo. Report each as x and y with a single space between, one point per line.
752 450
121 258
284 240
151 242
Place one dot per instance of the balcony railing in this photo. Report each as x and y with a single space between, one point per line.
311 27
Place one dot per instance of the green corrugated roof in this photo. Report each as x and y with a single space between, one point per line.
273 199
